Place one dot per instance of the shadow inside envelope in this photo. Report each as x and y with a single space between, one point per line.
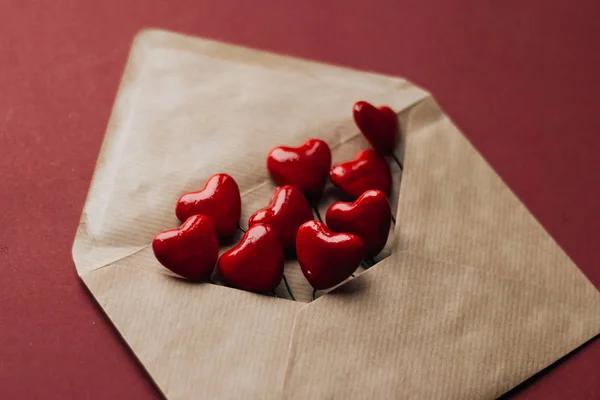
350 287
332 192
229 241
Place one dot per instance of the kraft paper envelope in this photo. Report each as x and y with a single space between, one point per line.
472 295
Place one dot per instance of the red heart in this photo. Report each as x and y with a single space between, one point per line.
256 263
367 171
327 258
369 218
190 250
287 210
378 125
305 167
219 199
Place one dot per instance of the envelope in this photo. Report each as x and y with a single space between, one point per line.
470 297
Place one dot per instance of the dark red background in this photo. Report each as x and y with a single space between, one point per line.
521 78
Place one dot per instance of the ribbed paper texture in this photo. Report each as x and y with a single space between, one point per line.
475 297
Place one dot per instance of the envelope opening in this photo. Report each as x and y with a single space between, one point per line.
259 195
452 313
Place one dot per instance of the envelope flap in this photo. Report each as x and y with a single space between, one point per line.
476 298
453 207
188 108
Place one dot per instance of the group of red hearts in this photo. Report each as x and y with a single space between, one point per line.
356 231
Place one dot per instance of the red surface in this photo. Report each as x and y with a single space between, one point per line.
520 78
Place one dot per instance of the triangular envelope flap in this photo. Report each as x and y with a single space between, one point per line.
476 298
455 208
189 108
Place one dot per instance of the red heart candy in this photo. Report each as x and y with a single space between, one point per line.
327 258
191 250
256 263
287 210
367 171
378 125
305 167
369 218
219 199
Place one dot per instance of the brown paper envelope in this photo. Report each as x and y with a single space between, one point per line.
475 297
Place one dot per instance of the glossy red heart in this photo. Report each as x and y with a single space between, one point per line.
191 250
256 263
219 199
287 210
327 258
369 218
368 171
378 125
305 167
